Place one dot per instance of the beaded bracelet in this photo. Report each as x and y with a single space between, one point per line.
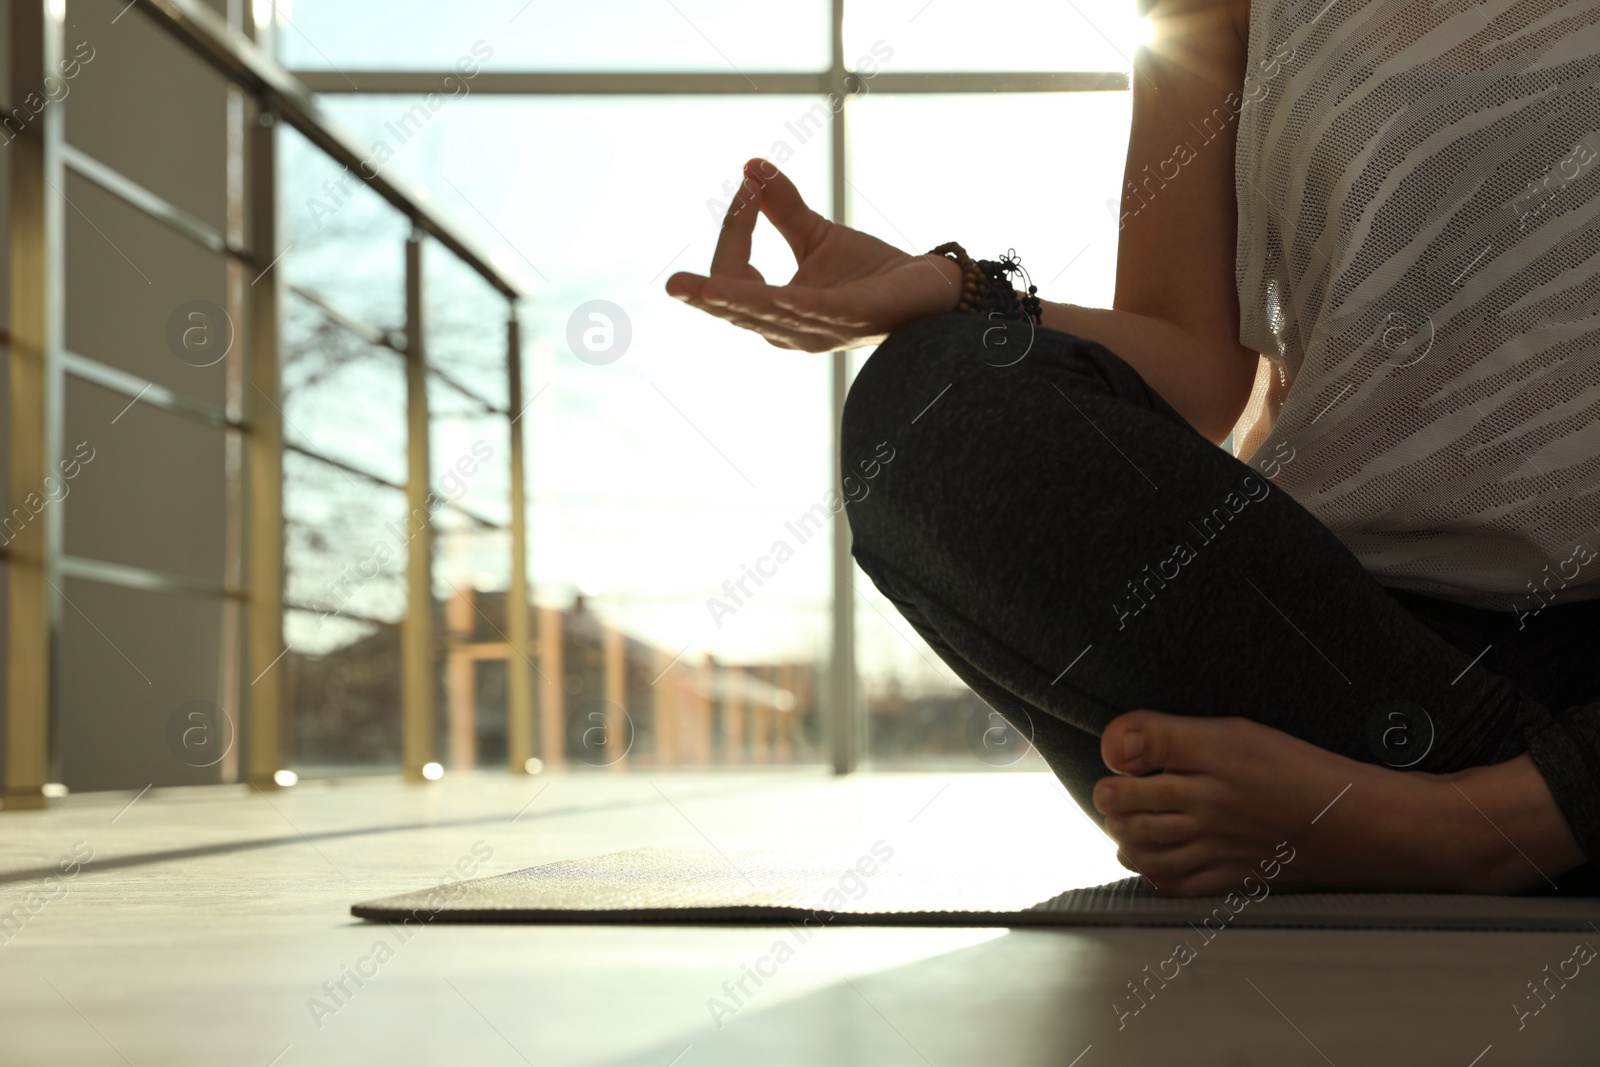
986 286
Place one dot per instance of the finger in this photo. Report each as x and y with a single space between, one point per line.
760 300
755 299
785 335
783 206
732 256
850 306
921 287
685 286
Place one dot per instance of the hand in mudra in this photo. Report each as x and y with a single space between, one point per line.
849 289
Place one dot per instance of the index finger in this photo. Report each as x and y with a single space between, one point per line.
732 255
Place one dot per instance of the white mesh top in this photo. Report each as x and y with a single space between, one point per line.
1418 260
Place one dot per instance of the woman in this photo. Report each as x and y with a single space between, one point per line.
1371 636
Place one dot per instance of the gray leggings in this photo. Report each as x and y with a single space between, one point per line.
1073 549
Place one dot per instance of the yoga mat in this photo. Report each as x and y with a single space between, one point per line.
652 885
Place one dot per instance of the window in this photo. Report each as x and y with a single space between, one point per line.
677 467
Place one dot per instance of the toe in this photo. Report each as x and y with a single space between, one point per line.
1140 742
1125 742
1164 868
1151 829
1205 882
1118 795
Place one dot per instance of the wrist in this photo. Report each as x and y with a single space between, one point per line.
950 271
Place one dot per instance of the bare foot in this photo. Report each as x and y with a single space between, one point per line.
1236 798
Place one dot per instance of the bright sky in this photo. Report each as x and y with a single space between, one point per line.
657 477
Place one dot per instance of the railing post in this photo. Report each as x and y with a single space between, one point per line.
417 703
664 709
618 736
519 684
237 272
761 719
268 691
461 679
733 715
33 544
705 707
552 687
267 694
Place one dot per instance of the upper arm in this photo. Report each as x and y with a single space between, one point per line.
1175 252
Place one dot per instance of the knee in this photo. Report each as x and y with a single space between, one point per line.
902 376
892 414
923 349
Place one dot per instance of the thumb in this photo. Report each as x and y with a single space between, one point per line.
783 206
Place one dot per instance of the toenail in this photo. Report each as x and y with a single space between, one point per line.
1132 744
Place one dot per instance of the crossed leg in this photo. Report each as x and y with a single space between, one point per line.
1079 556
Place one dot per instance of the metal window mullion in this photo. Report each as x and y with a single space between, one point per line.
33 598
711 83
417 704
843 705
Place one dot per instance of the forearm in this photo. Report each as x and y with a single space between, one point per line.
1207 384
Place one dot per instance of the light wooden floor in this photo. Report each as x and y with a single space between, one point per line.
207 922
